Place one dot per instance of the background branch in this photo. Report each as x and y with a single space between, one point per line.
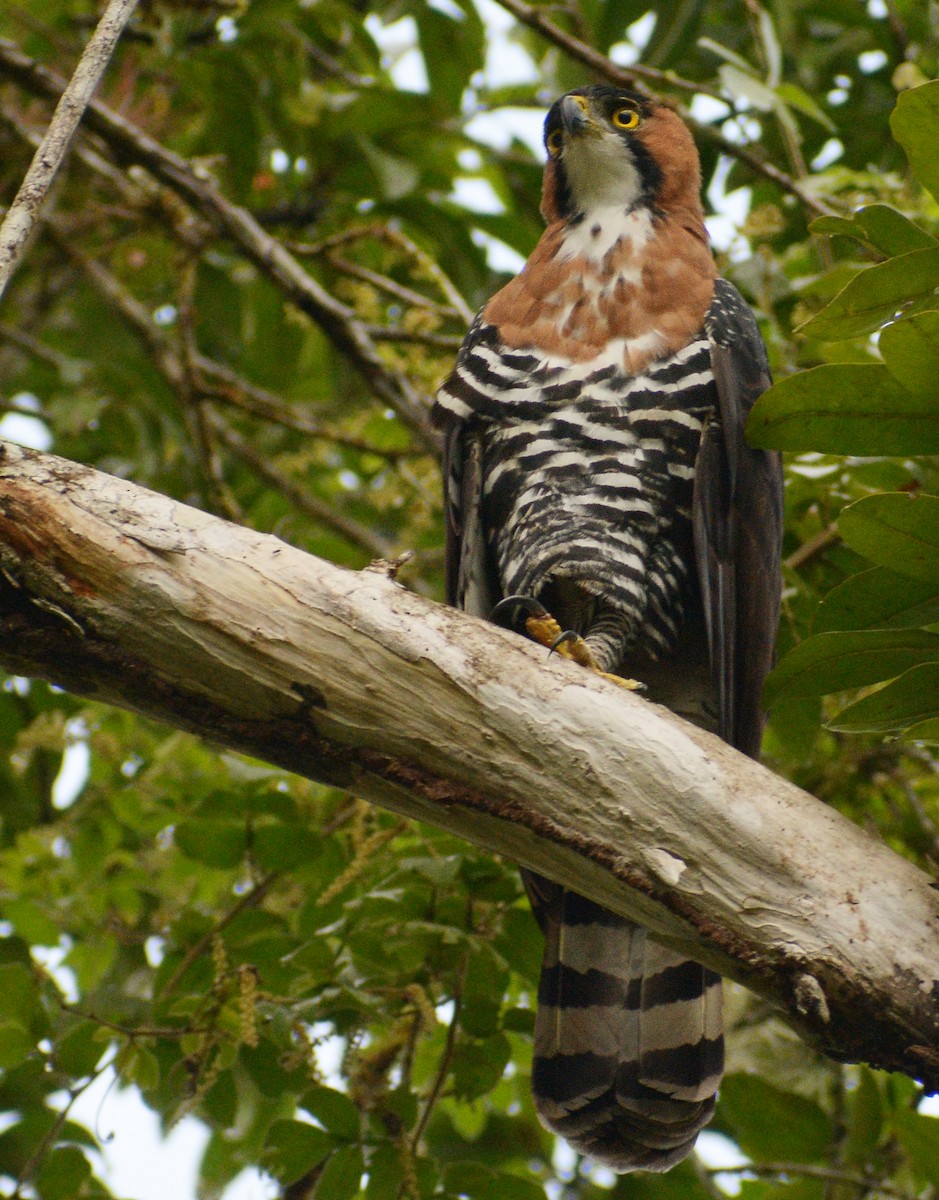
24 211
638 76
336 320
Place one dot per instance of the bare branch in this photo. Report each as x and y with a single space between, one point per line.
394 237
337 320
813 548
581 51
24 211
110 590
205 425
66 366
810 1171
382 282
230 388
301 498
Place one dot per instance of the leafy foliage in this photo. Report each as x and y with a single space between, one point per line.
876 408
344 999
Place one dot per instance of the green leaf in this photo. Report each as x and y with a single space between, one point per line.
915 125
16 1043
912 698
335 1111
769 1123
282 846
341 1176
486 980
136 1064
62 1173
845 408
832 662
453 49
215 843
919 1136
395 176
879 226
478 1065
796 97
879 599
293 1148
865 1117
79 1050
875 295
479 1182
896 530
924 731
18 997
911 351
274 1075
741 83
31 922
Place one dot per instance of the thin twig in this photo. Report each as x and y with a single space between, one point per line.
132 1032
337 320
384 233
130 308
75 96
29 1167
440 341
432 269
65 366
233 389
927 825
195 410
352 530
192 232
405 294
809 1171
174 371
815 546
580 50
445 1059
198 948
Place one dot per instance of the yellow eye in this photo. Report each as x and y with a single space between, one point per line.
625 118
555 141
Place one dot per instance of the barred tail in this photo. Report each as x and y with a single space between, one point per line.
628 1039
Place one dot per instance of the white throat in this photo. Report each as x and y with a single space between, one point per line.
601 173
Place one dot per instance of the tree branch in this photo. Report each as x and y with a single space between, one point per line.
118 593
337 321
24 211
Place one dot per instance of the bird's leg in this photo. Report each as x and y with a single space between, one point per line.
542 627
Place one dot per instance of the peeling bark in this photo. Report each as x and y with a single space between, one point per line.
122 595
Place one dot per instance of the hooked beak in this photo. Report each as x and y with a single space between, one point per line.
574 118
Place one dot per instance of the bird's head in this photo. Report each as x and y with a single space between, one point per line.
610 147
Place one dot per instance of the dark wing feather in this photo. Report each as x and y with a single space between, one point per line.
472 581
472 578
738 525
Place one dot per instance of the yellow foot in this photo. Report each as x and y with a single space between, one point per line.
543 628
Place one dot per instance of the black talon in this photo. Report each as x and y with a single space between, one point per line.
569 635
510 606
